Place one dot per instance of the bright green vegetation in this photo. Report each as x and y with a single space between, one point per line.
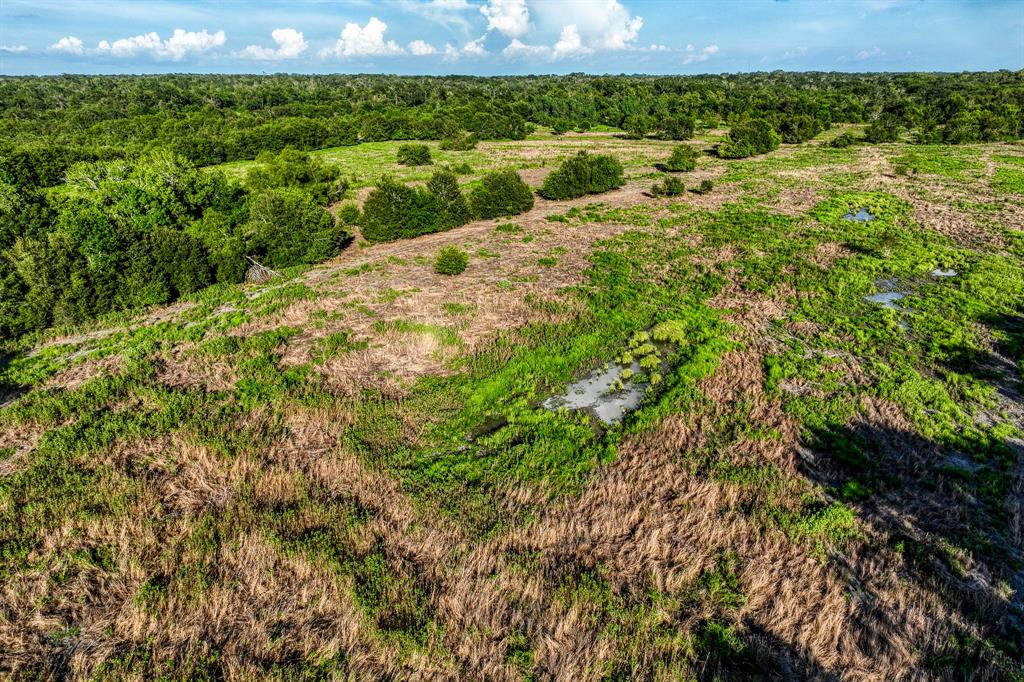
348 471
583 174
683 158
938 160
749 138
451 260
414 155
500 194
1008 180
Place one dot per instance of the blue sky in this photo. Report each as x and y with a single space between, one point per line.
490 37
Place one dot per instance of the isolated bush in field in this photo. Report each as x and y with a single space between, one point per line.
561 126
749 138
414 155
451 260
683 158
844 140
669 187
461 168
704 187
583 174
460 142
395 211
501 193
452 208
676 128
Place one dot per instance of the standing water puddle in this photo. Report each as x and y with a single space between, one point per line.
939 272
888 295
599 394
611 392
861 216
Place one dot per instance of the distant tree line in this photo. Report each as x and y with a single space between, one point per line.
104 204
49 123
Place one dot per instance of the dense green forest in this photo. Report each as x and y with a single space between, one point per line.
103 205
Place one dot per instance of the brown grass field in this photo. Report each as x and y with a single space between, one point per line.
279 481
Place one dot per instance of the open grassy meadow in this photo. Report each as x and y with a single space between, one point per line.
350 471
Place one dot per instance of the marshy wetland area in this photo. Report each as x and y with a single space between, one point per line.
766 426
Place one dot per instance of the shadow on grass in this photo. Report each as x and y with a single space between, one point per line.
950 512
8 392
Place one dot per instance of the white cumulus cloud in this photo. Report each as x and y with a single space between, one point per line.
474 48
518 48
421 48
599 25
290 44
177 47
693 55
363 41
508 17
68 45
570 43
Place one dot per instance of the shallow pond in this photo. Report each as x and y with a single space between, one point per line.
888 295
861 216
596 393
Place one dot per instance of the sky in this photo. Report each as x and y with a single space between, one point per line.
499 37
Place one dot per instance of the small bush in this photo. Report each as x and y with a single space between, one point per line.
349 214
460 143
502 193
749 138
843 141
683 158
414 155
670 187
676 128
461 168
451 260
452 209
705 187
583 174
395 211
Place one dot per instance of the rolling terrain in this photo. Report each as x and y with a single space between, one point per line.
348 472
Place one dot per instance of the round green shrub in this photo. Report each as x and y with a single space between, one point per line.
583 174
414 155
683 158
676 128
798 128
451 260
452 208
396 211
844 140
349 214
670 187
749 138
501 193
